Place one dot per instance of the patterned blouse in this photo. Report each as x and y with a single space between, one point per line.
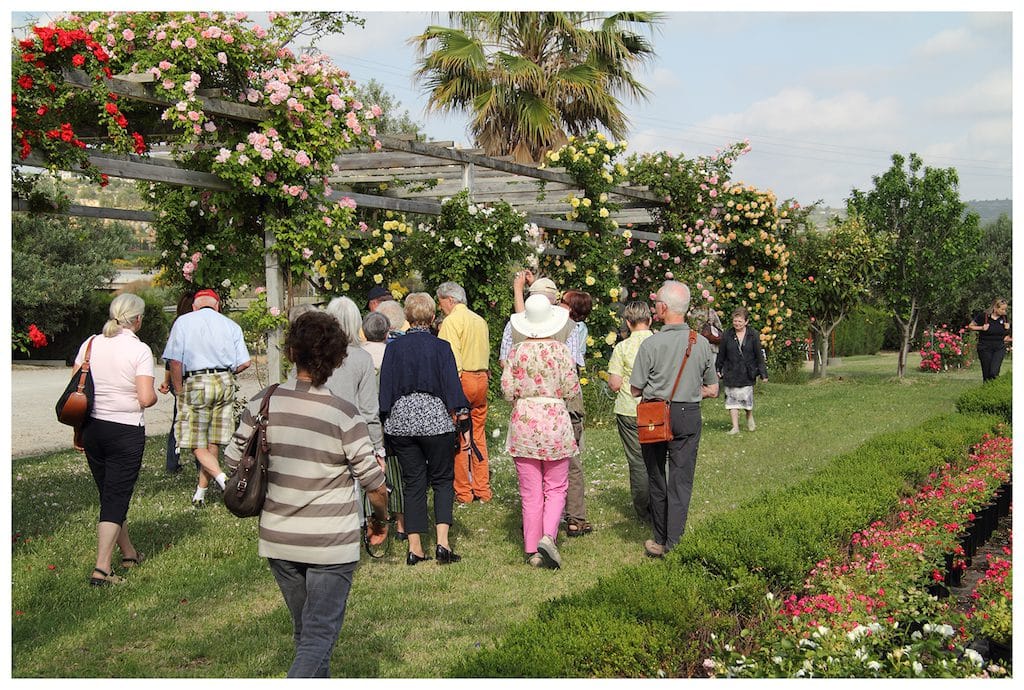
419 414
539 377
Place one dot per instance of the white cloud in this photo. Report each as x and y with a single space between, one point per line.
663 78
944 43
799 112
992 95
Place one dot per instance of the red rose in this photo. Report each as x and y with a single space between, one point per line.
25 81
140 142
42 110
78 60
112 108
121 121
28 57
104 179
36 336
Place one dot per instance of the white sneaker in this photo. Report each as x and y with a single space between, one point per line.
549 552
733 431
751 426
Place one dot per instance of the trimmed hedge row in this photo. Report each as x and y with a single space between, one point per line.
994 397
656 618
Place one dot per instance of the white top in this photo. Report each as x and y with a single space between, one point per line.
115 362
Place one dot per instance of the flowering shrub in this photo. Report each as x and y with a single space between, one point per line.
869 614
258 322
33 337
591 258
367 257
279 166
943 349
50 117
992 613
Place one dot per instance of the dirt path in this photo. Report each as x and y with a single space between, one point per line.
35 389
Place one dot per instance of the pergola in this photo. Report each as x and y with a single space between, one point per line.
417 175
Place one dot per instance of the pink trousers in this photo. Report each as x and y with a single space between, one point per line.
542 488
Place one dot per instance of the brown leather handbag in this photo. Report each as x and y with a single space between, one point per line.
653 417
75 402
246 487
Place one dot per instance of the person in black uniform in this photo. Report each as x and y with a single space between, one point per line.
993 329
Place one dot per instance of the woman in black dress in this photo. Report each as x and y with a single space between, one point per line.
740 360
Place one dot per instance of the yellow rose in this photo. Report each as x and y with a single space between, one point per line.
345 287
627 234
591 150
574 202
586 202
584 381
378 278
610 339
327 285
590 280
603 212
553 156
590 341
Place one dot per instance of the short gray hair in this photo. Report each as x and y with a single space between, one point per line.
376 327
637 312
347 314
394 313
676 297
453 290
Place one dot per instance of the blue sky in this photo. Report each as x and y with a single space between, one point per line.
824 98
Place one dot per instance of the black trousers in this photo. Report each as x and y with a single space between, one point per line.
114 452
670 469
991 359
426 460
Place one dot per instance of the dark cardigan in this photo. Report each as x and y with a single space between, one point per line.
737 368
419 362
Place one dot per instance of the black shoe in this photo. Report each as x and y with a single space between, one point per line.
401 536
445 556
413 559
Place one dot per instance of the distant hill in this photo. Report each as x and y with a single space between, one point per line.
991 209
988 211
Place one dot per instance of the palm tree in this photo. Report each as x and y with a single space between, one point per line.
530 79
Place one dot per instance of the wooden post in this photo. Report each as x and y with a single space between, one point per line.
467 178
275 298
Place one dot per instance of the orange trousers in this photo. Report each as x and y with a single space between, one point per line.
473 473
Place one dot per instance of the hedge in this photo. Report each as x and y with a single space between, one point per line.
655 619
993 397
862 332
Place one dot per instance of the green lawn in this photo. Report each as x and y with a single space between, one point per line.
204 605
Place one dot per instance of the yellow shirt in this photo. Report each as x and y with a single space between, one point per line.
466 331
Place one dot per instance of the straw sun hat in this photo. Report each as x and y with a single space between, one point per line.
541 318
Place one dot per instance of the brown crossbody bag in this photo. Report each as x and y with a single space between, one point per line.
653 417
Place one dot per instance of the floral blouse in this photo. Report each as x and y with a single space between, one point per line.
539 377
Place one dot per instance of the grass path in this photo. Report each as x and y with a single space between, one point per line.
204 605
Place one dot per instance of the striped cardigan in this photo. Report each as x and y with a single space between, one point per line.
319 448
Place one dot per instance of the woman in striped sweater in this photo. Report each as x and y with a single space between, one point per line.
309 527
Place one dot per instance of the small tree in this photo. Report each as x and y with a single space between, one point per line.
918 212
56 263
836 268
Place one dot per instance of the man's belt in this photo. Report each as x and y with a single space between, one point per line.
212 370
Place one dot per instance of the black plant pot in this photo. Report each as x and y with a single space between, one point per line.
1000 653
1004 498
953 573
938 591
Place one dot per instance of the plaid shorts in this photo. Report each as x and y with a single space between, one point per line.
206 410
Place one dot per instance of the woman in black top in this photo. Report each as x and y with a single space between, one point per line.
740 360
420 392
993 336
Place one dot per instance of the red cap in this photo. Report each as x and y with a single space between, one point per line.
208 293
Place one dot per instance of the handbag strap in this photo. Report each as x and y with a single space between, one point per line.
263 416
84 369
689 346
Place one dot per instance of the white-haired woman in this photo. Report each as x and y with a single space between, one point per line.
115 434
356 381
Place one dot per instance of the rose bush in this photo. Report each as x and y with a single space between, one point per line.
944 349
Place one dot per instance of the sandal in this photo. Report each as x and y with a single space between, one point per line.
106 580
127 562
577 528
534 560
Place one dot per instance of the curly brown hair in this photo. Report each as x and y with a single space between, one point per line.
317 345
